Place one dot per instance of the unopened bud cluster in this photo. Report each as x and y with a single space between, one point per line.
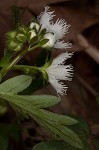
30 35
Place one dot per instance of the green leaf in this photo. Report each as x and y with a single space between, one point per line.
43 42
58 118
54 124
41 101
38 101
33 40
66 134
15 84
83 131
43 32
53 145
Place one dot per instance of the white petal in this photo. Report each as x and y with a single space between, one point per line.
51 41
61 72
45 19
33 34
62 45
57 72
60 28
34 24
58 86
61 58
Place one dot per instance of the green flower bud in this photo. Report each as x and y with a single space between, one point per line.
21 37
23 29
11 35
13 46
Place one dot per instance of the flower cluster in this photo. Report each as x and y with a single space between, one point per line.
43 32
57 71
54 31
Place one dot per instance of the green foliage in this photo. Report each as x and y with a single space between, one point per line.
32 106
16 92
33 40
8 131
83 131
41 35
79 128
15 84
43 42
53 122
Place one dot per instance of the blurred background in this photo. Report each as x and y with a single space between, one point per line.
83 16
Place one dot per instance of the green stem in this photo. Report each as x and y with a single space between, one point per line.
34 47
24 68
11 64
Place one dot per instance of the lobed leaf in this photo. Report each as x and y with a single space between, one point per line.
51 121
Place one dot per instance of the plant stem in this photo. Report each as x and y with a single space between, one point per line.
25 68
11 64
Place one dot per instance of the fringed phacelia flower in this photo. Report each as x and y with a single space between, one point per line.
57 30
57 72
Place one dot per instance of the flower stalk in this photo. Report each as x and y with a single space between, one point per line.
11 65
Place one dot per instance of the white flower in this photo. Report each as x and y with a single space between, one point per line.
51 39
36 25
57 72
59 28
32 34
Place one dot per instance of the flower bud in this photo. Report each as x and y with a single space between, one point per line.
11 34
51 40
21 37
13 46
32 34
36 25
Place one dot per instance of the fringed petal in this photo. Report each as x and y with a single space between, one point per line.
45 19
62 45
58 86
61 58
58 72
60 28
